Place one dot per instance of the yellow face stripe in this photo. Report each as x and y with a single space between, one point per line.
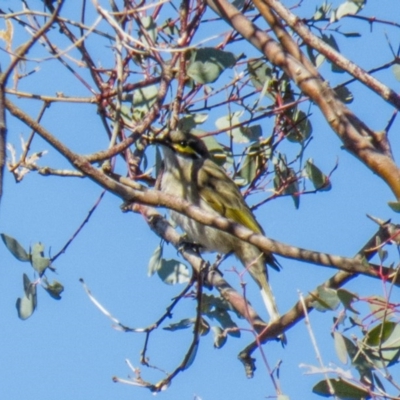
183 149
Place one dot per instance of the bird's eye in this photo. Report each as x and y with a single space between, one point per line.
183 144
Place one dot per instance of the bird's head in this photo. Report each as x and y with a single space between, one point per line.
184 144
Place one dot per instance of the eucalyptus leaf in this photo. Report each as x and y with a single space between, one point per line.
378 306
383 344
182 324
232 120
54 289
150 26
15 248
26 305
319 180
395 206
187 123
340 347
326 299
223 317
256 156
169 27
342 389
39 262
191 356
204 327
260 73
207 64
219 337
331 41
344 94
396 71
172 272
380 333
204 72
300 128
349 8
144 98
155 261
347 298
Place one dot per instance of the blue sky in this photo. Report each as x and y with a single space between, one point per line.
68 349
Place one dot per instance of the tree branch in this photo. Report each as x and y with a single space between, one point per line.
160 199
371 148
330 53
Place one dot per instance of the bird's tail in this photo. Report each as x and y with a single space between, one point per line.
270 305
258 270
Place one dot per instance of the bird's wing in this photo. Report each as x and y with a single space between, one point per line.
219 191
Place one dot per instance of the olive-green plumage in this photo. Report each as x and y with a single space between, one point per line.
190 173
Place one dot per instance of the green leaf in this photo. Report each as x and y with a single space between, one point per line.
219 337
300 128
155 261
252 133
326 299
396 71
15 248
340 347
182 324
322 11
395 206
351 34
204 327
223 317
211 302
54 289
349 8
286 177
319 180
342 389
382 344
151 28
344 94
190 121
39 262
204 72
144 98
378 383
331 41
347 298
256 156
169 27
219 153
260 73
208 64
378 306
380 333
172 272
191 356
239 134
26 305
383 254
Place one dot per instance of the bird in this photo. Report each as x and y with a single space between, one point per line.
188 172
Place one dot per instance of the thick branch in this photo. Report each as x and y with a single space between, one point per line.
331 54
157 198
371 148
